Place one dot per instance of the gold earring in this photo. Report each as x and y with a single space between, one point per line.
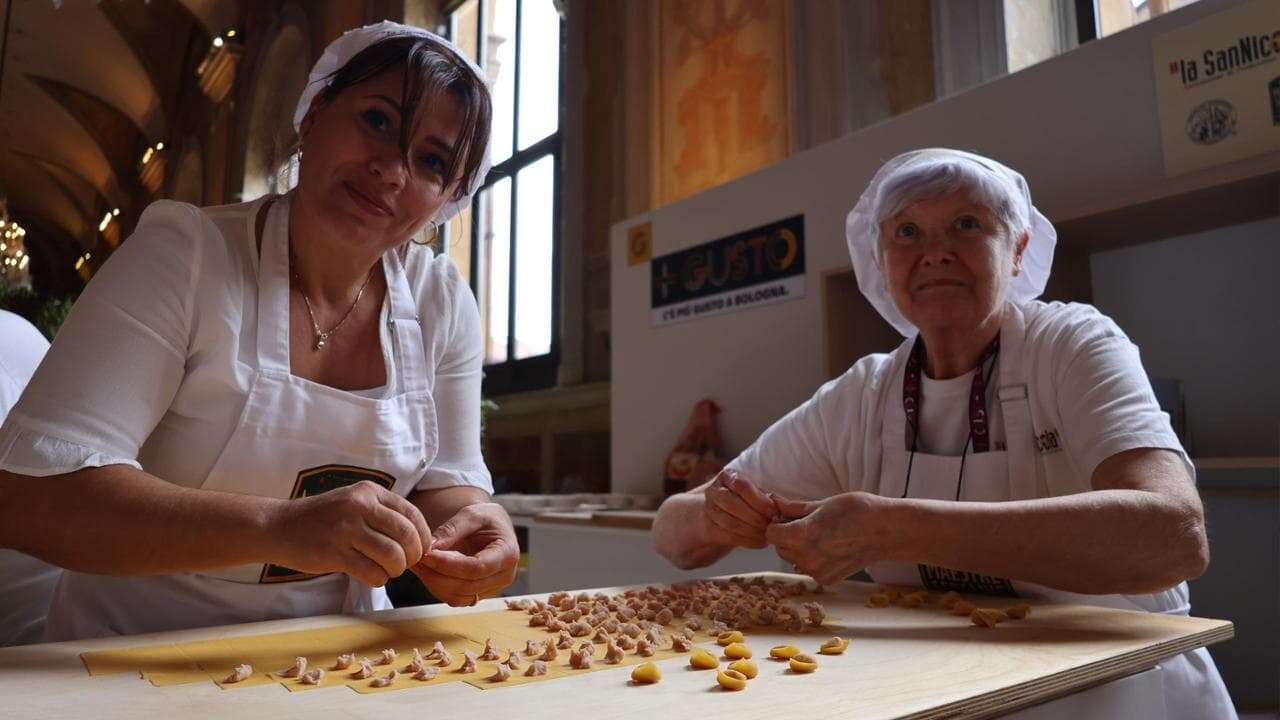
435 233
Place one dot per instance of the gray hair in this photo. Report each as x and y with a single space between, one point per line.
947 176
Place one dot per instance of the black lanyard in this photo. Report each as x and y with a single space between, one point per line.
979 438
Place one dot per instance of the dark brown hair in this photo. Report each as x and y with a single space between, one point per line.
431 70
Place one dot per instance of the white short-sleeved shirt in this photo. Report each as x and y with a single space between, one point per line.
26 584
21 350
154 364
1085 380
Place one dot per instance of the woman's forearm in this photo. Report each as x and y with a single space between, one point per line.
118 520
1100 542
679 533
439 505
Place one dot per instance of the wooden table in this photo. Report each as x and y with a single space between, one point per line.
902 663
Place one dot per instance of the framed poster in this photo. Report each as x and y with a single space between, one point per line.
761 266
1218 87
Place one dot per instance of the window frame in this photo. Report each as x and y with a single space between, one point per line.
970 43
1086 20
540 371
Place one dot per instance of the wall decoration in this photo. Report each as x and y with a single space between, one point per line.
722 91
1218 87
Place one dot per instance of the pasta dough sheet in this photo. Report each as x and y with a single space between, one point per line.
270 654
213 660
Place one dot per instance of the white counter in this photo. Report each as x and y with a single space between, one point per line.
570 550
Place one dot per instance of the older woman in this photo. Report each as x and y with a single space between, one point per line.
1009 446
266 410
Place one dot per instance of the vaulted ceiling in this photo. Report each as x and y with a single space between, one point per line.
87 85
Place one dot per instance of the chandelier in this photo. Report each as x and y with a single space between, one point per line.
14 260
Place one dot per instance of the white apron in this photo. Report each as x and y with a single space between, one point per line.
1193 690
295 438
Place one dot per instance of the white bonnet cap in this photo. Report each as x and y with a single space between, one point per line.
862 229
349 45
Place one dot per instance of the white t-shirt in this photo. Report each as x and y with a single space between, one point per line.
154 364
944 415
1089 399
1085 381
26 584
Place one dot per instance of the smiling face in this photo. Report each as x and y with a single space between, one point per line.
948 261
354 177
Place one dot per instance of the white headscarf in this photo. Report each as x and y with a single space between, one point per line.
341 51
863 231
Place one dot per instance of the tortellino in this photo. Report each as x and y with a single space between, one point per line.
296 670
239 674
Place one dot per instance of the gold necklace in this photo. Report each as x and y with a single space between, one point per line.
322 336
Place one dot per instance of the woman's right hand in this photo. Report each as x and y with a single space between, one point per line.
736 513
363 530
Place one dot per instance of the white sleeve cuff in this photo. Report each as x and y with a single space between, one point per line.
438 478
26 452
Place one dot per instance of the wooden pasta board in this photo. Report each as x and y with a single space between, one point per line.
901 663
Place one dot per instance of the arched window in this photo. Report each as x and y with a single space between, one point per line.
188 178
508 244
270 159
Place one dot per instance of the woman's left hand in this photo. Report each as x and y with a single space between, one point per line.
474 555
833 538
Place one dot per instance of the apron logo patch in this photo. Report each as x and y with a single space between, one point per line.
1047 442
315 481
942 579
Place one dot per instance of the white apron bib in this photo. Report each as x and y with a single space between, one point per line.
1192 687
295 438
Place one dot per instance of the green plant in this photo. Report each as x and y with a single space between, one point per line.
46 313
487 407
52 314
